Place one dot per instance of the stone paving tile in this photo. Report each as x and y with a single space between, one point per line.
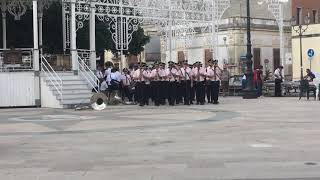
268 138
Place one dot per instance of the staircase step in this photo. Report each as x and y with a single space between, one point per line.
75 96
72 87
71 82
73 91
75 101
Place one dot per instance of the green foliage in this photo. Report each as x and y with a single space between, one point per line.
52 29
20 34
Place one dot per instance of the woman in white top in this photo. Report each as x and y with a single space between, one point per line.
114 79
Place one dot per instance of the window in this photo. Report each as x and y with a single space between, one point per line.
299 15
314 16
256 57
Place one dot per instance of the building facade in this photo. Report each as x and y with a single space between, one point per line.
310 38
232 39
303 8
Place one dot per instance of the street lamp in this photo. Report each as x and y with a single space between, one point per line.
300 29
250 92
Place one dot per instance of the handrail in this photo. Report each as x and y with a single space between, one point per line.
52 76
88 75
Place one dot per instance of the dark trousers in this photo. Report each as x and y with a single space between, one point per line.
200 92
126 93
277 90
162 87
215 91
156 92
186 85
209 91
141 92
148 93
179 92
193 92
259 88
172 88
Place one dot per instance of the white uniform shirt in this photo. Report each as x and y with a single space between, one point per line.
107 72
199 74
214 74
114 76
155 75
147 76
162 73
137 77
126 79
186 73
171 73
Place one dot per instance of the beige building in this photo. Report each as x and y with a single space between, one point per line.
310 40
232 39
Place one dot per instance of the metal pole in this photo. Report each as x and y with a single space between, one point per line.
40 32
4 24
64 30
301 62
249 92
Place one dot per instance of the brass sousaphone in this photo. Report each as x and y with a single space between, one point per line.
99 101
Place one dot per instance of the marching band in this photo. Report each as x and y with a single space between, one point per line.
178 83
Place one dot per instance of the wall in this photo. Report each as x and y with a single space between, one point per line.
235 47
311 40
18 89
307 7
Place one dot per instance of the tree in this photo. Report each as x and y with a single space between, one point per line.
20 34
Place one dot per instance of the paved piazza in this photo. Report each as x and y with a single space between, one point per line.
239 139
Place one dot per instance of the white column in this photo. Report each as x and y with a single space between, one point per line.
35 37
93 65
4 24
73 46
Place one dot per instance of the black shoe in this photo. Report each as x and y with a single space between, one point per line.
216 102
202 103
141 105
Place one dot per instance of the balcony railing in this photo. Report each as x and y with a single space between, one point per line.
13 60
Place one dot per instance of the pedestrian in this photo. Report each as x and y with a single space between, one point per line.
225 77
100 75
193 84
147 81
215 76
258 80
186 73
180 92
163 83
140 84
171 74
210 81
155 83
278 78
199 74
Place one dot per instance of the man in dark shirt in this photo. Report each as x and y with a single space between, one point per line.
310 76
